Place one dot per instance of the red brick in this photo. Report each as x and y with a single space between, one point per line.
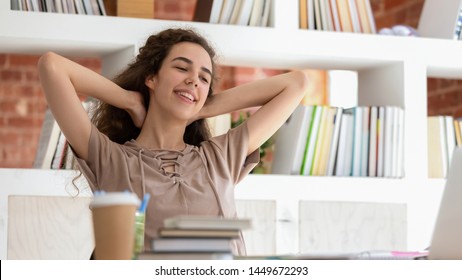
32 76
447 83
432 84
24 60
7 106
3 60
392 4
10 75
377 5
17 121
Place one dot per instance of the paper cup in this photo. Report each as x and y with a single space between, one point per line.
114 225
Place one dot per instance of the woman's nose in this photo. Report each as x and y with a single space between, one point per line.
191 81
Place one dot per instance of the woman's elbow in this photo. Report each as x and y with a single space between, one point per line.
46 62
301 81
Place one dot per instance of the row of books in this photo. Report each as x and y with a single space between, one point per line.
83 7
196 237
334 141
441 19
237 12
444 133
53 151
337 15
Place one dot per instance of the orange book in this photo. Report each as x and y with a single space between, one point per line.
363 18
344 15
303 14
458 133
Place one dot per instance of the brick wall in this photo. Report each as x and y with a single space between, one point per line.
22 104
22 107
444 95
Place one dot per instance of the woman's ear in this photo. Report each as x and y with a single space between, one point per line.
150 81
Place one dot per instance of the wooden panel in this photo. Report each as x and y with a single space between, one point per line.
351 226
261 239
45 227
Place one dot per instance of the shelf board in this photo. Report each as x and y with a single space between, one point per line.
278 48
319 188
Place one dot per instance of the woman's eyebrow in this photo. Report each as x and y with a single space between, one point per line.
189 61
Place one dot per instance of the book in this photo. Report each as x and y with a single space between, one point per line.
344 16
380 141
354 17
326 16
450 136
257 12
310 144
243 18
303 14
435 156
235 12
441 24
60 152
206 222
457 133
215 12
48 141
357 137
363 16
191 245
290 142
226 11
185 256
317 15
365 142
326 141
400 164
333 149
372 172
203 10
265 19
334 13
198 233
343 157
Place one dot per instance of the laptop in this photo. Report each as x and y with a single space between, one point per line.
447 235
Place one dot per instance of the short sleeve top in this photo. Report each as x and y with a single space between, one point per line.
201 183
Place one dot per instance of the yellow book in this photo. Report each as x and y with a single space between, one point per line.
319 142
458 135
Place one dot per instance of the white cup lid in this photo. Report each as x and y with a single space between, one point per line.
115 198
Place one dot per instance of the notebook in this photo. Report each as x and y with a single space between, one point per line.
447 235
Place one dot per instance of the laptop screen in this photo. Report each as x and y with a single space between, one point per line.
447 234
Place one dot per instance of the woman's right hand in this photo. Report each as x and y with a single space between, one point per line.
136 109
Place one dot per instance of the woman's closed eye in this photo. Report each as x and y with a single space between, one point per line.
181 68
204 79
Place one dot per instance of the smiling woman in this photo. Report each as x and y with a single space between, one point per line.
149 135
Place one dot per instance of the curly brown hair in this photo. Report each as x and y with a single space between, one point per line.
116 123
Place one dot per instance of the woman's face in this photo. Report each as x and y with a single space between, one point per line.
182 84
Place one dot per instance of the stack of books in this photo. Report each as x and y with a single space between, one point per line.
196 237
236 12
320 140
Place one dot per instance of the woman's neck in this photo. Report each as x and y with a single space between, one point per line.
158 133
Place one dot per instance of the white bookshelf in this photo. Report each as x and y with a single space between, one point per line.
392 71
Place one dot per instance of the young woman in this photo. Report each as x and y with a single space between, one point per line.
149 134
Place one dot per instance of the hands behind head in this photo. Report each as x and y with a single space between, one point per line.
136 109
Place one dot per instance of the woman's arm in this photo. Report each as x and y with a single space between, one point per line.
278 95
61 79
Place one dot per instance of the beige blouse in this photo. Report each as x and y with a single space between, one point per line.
202 181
